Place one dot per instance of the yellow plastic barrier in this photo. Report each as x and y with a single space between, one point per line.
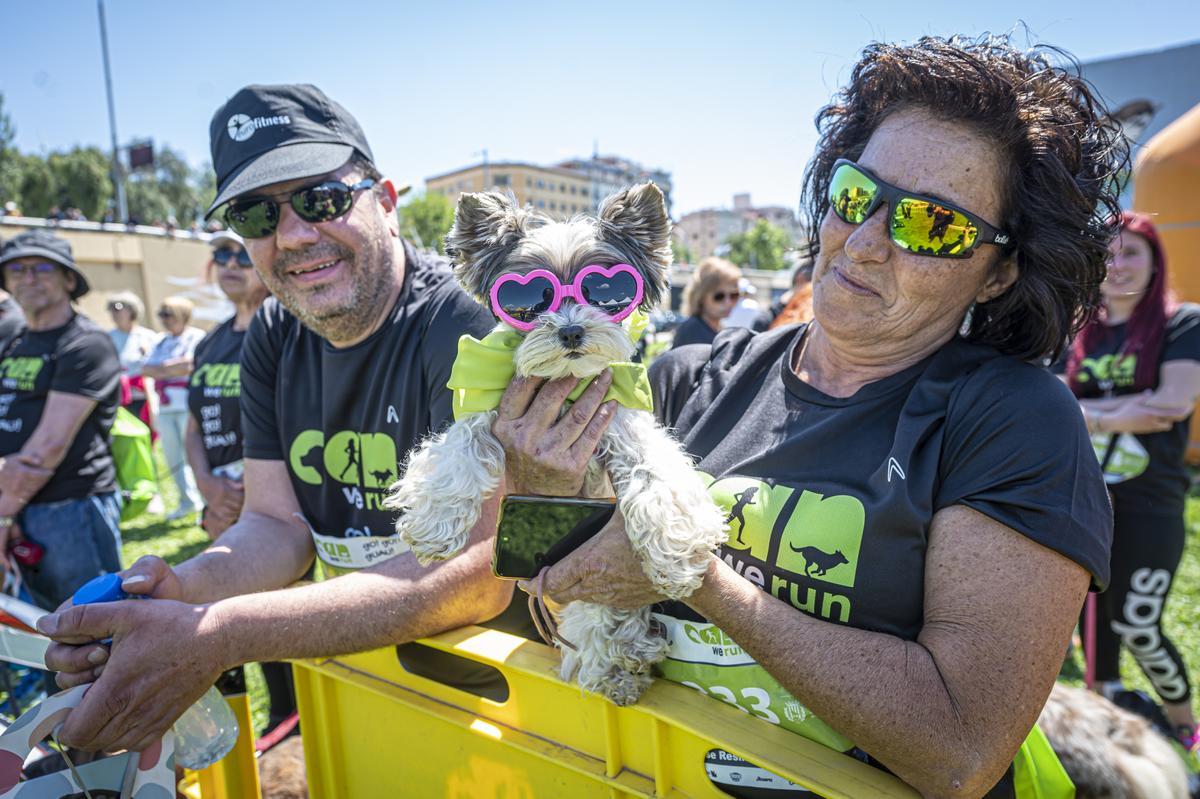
371 729
235 776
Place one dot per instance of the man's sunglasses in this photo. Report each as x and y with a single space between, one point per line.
40 268
225 257
256 217
917 223
519 299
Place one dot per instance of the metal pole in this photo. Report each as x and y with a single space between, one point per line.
118 180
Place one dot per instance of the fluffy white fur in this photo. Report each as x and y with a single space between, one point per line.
672 524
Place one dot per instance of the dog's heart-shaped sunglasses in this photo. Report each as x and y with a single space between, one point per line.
518 300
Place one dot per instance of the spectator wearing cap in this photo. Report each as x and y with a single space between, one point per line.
134 343
748 312
59 380
170 366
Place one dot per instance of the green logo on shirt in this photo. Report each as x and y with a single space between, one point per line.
1115 367
218 379
21 373
364 460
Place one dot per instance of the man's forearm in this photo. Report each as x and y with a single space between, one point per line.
258 553
393 603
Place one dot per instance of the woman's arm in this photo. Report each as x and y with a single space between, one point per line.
947 712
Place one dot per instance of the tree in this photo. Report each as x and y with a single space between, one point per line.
36 186
82 180
171 189
426 219
761 247
10 174
682 255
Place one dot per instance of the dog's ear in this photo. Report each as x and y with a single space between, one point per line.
635 221
487 225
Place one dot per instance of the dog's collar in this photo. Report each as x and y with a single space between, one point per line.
484 368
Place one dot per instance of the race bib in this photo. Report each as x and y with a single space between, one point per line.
701 656
1122 456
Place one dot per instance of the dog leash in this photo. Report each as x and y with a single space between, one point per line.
543 619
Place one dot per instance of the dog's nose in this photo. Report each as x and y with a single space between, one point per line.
571 336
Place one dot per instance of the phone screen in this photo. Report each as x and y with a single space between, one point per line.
535 532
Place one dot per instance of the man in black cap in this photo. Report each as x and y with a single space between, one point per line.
343 371
59 390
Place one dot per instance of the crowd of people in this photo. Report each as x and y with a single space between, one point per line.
921 506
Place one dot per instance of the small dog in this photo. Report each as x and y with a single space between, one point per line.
568 286
1110 753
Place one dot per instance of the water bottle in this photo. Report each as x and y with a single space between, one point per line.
207 730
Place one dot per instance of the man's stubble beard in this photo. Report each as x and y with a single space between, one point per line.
371 283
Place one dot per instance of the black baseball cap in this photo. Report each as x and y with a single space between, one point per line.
271 134
43 244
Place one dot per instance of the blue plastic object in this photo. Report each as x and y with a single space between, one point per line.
105 588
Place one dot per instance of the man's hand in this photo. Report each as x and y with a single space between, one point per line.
83 663
545 454
164 656
223 499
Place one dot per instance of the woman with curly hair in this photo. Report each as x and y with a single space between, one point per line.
1136 371
915 511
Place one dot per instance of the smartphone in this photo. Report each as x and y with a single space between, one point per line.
535 532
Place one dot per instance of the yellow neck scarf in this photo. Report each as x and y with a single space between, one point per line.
484 368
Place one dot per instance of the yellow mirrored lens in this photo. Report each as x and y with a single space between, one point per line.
930 229
851 193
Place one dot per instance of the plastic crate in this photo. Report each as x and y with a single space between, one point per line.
372 729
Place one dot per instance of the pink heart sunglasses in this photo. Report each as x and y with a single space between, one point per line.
518 299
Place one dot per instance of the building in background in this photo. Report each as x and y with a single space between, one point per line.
611 173
704 232
574 186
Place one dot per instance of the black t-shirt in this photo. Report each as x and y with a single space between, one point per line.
12 321
1144 470
343 420
214 393
693 330
830 500
77 358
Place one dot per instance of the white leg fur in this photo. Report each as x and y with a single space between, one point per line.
673 527
446 481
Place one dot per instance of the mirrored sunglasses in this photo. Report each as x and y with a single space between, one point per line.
918 223
256 217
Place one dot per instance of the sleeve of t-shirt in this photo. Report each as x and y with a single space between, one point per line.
259 370
673 377
1016 450
457 315
1183 335
86 364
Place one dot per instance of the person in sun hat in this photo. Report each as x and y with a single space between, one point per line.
59 391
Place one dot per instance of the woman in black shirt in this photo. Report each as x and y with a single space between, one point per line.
708 299
915 512
1136 371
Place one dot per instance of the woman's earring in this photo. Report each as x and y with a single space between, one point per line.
964 329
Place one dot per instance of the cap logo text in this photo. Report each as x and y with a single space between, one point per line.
242 127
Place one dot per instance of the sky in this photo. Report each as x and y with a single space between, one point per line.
721 94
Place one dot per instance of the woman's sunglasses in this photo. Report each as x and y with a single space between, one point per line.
256 217
225 257
165 314
917 223
519 299
721 296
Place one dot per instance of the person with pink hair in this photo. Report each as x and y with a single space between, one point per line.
1136 371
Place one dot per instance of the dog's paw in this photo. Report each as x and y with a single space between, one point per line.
622 688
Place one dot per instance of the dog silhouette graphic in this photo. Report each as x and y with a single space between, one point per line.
817 562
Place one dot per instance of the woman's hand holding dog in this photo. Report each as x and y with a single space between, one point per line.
545 454
605 570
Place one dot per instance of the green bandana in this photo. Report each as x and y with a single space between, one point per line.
483 370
